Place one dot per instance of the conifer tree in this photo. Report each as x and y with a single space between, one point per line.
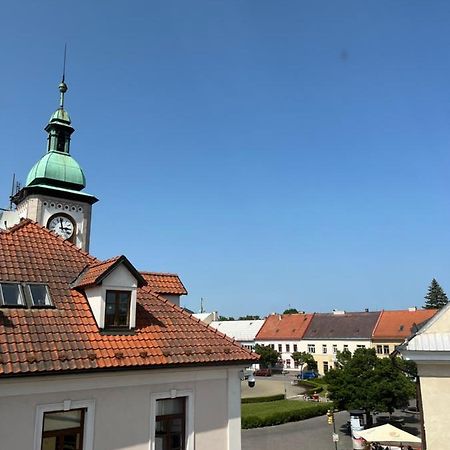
436 298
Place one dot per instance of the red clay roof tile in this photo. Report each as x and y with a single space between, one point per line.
164 283
400 324
284 326
66 337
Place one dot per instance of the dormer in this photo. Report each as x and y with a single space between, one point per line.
111 290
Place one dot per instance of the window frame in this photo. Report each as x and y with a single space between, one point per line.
386 349
189 415
29 295
288 348
23 299
325 349
117 292
312 348
58 433
67 405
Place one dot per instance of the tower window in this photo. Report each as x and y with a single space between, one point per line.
11 294
117 313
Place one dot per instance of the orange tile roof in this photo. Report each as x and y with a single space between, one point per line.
93 274
165 283
399 324
66 338
284 326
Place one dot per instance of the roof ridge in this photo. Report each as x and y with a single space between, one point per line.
146 272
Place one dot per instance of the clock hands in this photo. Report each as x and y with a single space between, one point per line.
62 227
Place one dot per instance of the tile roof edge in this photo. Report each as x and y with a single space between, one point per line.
229 362
167 274
377 323
215 330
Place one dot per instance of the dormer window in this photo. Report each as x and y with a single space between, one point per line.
11 294
117 311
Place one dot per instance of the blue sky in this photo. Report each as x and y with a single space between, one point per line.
273 153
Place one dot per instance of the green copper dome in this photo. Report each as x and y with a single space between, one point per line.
57 169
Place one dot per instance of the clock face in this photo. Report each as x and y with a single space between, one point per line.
62 226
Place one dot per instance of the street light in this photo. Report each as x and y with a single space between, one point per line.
330 421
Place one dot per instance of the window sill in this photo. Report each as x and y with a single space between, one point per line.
117 331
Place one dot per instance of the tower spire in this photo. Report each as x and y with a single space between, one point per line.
63 86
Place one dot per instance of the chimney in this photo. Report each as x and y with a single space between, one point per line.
412 309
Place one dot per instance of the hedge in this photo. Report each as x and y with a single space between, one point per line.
277 416
270 398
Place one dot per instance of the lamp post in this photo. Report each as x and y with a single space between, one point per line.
330 420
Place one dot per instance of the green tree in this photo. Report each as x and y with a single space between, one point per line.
225 318
436 298
268 357
366 382
249 318
290 311
305 360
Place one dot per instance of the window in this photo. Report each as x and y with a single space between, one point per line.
273 346
360 346
24 295
345 347
288 363
295 347
170 424
324 348
280 348
325 366
288 348
311 348
386 349
379 349
39 295
334 348
11 294
117 314
68 425
63 430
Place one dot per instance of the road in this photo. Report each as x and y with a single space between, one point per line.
311 434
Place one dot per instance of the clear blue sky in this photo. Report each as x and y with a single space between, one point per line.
272 153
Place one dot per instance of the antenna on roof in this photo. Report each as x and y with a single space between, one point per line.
201 305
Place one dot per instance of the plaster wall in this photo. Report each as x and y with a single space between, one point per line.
123 410
172 298
440 326
41 208
120 279
435 391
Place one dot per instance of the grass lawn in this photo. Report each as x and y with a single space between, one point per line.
281 411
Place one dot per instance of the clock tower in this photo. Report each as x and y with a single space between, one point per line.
52 195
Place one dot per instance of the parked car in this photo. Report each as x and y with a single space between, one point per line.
307 375
263 372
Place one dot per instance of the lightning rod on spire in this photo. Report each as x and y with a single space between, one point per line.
63 85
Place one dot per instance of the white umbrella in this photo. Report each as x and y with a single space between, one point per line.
388 435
